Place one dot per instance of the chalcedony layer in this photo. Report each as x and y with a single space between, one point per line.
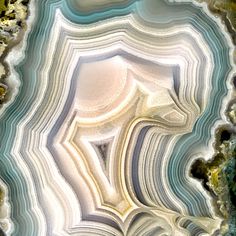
113 108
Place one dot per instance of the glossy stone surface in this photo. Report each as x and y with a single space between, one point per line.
113 102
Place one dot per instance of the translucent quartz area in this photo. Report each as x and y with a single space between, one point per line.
114 101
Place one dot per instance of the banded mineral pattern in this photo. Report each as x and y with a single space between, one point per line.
114 101
13 16
226 9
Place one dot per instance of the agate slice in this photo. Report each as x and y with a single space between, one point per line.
116 119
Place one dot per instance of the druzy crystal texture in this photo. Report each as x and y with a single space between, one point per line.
110 111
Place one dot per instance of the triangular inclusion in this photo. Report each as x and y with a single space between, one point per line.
102 150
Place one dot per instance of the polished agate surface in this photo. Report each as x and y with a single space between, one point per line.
111 103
